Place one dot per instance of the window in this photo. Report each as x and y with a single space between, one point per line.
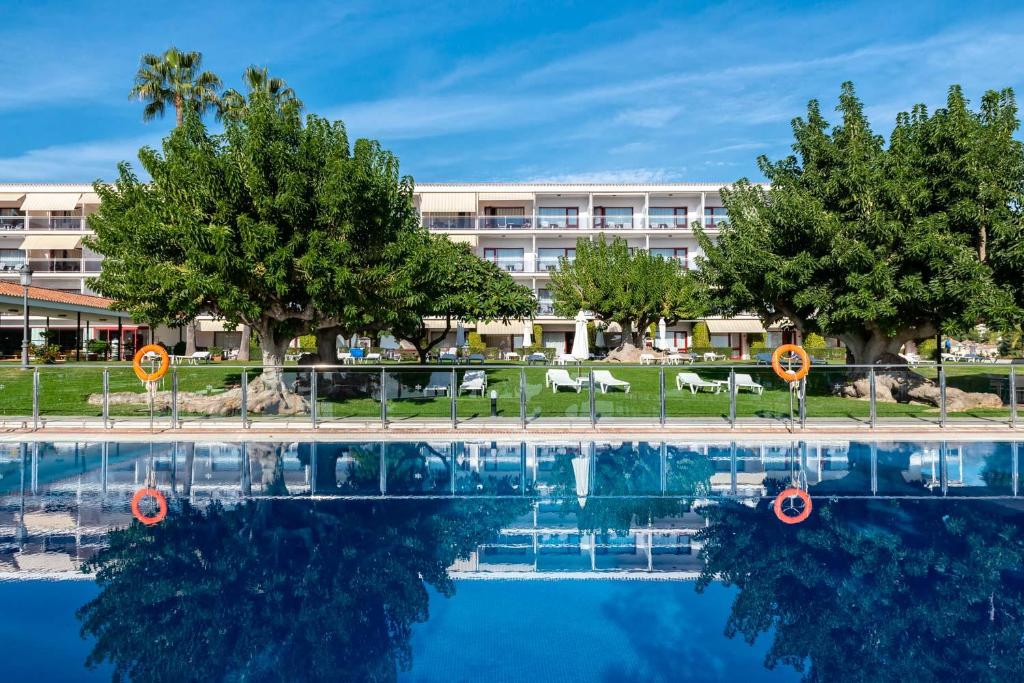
507 259
546 302
613 217
681 340
558 217
548 257
11 259
666 217
713 215
678 254
505 217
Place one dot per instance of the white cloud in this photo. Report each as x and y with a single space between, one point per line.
80 162
622 175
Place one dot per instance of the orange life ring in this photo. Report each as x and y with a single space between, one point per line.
161 504
784 502
805 362
165 362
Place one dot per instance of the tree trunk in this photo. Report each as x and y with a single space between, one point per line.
327 344
273 358
190 338
178 113
243 346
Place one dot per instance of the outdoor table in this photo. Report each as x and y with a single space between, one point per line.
511 355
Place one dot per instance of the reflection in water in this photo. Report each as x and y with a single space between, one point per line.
278 589
867 590
306 561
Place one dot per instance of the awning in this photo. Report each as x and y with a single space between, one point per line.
51 201
438 325
506 196
735 325
448 202
210 325
498 327
471 240
90 198
51 242
11 196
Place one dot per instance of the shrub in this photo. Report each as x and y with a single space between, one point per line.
814 341
307 343
216 351
538 335
475 343
45 353
179 348
757 343
100 347
701 335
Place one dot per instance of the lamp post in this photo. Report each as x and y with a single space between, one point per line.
26 279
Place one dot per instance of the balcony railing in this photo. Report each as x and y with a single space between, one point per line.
510 264
714 222
72 223
634 222
545 308
548 263
64 265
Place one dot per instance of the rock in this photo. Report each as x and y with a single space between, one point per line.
631 354
261 400
957 400
892 386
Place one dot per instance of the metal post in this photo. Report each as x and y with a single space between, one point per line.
872 398
244 403
803 403
312 397
35 399
312 468
942 397
174 398
522 395
593 399
732 397
661 395
383 399
383 468
733 468
943 455
874 468
1013 397
1016 466
26 332
106 397
454 405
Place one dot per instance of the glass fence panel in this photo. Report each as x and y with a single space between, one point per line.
832 394
351 469
688 469
627 391
129 396
73 391
557 392
903 468
207 391
978 390
275 469
492 393
904 394
762 394
419 394
489 468
551 467
697 391
626 469
15 392
271 393
343 393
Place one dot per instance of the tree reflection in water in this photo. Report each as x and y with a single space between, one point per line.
922 590
279 589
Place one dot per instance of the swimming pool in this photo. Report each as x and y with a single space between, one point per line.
514 560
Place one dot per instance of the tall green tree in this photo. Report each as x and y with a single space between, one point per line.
880 245
275 224
174 78
448 281
634 289
232 103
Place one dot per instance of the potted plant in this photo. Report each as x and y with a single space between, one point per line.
216 354
96 349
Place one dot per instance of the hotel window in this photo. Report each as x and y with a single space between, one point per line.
11 259
613 217
546 302
505 217
548 257
666 217
558 217
507 259
681 340
678 254
713 215
11 219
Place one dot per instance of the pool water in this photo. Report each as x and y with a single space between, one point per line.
512 561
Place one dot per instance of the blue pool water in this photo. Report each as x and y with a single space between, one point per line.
512 561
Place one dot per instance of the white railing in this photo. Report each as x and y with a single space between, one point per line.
69 223
637 221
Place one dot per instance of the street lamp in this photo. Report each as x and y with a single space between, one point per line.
26 279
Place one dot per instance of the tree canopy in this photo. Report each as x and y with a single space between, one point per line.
174 78
879 245
615 284
276 223
447 280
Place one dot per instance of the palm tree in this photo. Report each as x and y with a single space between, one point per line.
174 78
233 103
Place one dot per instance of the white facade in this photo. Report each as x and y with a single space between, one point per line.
526 227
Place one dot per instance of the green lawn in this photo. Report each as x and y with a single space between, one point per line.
64 391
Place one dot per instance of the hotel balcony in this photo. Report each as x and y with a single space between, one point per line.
511 265
67 223
446 223
55 266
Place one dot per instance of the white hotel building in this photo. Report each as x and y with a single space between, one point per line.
525 228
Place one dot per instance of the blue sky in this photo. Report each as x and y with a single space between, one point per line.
503 91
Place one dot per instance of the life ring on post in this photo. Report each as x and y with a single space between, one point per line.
161 506
165 362
786 503
805 362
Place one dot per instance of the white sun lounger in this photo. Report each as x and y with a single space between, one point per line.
744 381
557 379
693 382
474 380
604 379
914 360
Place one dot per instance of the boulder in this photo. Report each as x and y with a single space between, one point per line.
631 354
